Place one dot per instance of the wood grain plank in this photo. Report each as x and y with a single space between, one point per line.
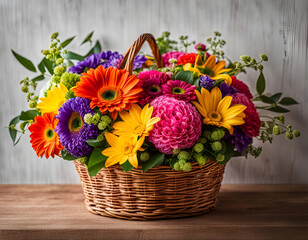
244 212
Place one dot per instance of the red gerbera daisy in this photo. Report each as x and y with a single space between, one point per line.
187 58
44 139
110 89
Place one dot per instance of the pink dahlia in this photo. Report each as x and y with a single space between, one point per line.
179 126
241 87
180 90
151 82
168 55
252 121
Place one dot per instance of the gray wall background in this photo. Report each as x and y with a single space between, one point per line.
277 28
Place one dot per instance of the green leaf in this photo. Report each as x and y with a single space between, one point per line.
127 166
88 38
24 61
28 115
228 153
278 109
49 65
41 66
276 97
96 161
67 42
155 160
266 99
185 76
95 143
286 101
13 132
38 78
95 49
70 55
261 83
67 156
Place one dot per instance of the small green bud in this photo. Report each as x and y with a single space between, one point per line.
176 166
35 98
60 61
45 52
218 34
289 135
32 104
65 51
289 126
95 119
198 147
281 118
201 159
53 50
145 156
276 130
83 159
217 134
184 155
101 137
87 118
202 140
22 126
245 58
260 67
216 146
296 133
207 134
69 94
55 79
102 126
165 34
187 167
54 35
59 70
220 157
106 119
12 126
53 45
209 40
176 151
253 61
24 89
264 57
49 56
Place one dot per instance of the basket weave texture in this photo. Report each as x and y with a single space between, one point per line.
156 194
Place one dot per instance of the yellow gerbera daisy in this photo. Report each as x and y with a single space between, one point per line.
54 100
217 111
215 70
136 122
122 149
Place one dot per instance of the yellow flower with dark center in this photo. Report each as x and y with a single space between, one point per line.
122 149
216 71
217 111
54 100
136 122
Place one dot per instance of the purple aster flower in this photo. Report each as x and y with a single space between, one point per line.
110 59
205 82
239 139
179 90
91 61
151 82
139 61
72 130
226 89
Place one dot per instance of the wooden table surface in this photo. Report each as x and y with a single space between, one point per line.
244 212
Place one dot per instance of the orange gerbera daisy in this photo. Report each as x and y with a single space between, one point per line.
109 89
44 139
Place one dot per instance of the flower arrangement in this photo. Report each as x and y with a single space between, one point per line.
194 109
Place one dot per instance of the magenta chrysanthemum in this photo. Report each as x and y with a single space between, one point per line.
168 55
179 126
180 90
151 82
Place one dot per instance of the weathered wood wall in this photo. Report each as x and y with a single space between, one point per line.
277 28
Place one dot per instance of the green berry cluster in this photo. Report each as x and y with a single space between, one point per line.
165 44
181 163
29 86
216 45
102 121
249 62
69 80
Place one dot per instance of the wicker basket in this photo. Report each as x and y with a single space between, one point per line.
158 193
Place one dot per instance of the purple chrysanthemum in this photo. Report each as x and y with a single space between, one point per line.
72 130
91 61
226 89
180 90
151 82
206 82
239 139
110 59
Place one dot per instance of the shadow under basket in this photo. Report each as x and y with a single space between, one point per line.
156 194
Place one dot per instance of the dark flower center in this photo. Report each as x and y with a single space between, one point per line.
215 116
75 122
49 133
178 90
109 95
154 89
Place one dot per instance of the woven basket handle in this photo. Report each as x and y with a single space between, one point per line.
134 49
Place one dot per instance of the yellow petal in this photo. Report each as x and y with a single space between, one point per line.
123 159
112 139
125 116
206 98
215 97
133 160
235 121
233 111
109 151
210 62
201 110
135 112
227 126
113 160
224 104
220 65
152 121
